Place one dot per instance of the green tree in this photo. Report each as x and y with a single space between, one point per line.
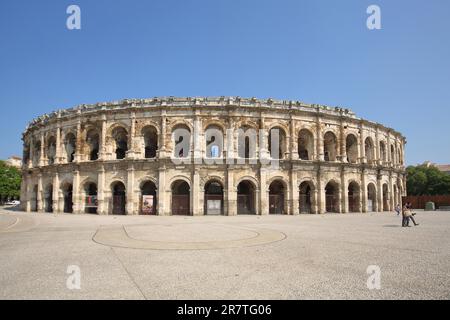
427 180
10 180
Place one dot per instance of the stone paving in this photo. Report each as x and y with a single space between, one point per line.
241 257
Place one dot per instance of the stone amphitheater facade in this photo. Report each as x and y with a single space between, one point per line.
124 158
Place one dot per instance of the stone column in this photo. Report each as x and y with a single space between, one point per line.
131 153
362 145
79 143
39 199
58 155
294 141
294 193
30 161
319 141
197 139
196 193
42 155
388 147
363 192
377 147
76 198
55 195
130 190
343 144
340 195
379 194
315 199
344 190
102 142
264 192
163 204
101 201
320 194
231 194
162 137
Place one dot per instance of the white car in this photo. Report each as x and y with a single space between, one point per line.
12 203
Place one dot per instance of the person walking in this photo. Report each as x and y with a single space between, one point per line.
398 209
405 216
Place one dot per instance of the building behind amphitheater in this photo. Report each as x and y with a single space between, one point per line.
126 158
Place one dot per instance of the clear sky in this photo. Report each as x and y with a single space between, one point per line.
314 51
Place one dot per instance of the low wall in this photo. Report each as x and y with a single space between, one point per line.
418 202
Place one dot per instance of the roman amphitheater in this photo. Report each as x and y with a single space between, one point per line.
196 156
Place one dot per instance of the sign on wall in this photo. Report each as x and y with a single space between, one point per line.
147 204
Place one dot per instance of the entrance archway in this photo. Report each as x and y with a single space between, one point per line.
90 203
246 198
276 197
371 198
180 198
148 198
67 196
354 196
385 197
48 198
34 199
332 197
119 198
213 198
305 197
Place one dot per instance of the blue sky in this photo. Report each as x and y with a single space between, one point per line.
314 51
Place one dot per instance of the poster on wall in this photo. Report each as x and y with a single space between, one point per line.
147 205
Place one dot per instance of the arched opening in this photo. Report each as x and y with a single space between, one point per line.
91 203
369 150
276 198
383 153
247 142
180 198
150 136
70 147
354 197
305 197
330 146
26 153
371 198
51 150
182 141
148 198
305 145
277 147
119 198
92 141
213 142
332 197
36 153
34 199
48 198
352 148
213 198
120 139
246 198
67 191
393 154
385 197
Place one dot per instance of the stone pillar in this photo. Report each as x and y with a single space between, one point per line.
379 194
196 193
320 194
377 147
362 148
197 140
344 190
162 137
319 141
55 195
391 193
39 199
42 155
264 192
388 147
343 144
231 194
340 195
363 192
102 142
315 198
76 197
30 161
294 141
294 205
101 201
79 143
131 153
130 190
58 155
163 204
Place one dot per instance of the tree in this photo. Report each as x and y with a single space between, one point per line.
427 180
10 180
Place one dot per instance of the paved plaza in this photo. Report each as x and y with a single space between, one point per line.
220 257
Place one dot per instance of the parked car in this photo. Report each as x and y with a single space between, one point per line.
13 203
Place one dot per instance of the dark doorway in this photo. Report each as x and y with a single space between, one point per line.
246 198
180 198
148 199
119 198
276 198
305 205
385 198
67 194
34 199
91 202
48 199
213 198
353 197
331 198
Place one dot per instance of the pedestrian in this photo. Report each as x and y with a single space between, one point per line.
405 216
398 209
